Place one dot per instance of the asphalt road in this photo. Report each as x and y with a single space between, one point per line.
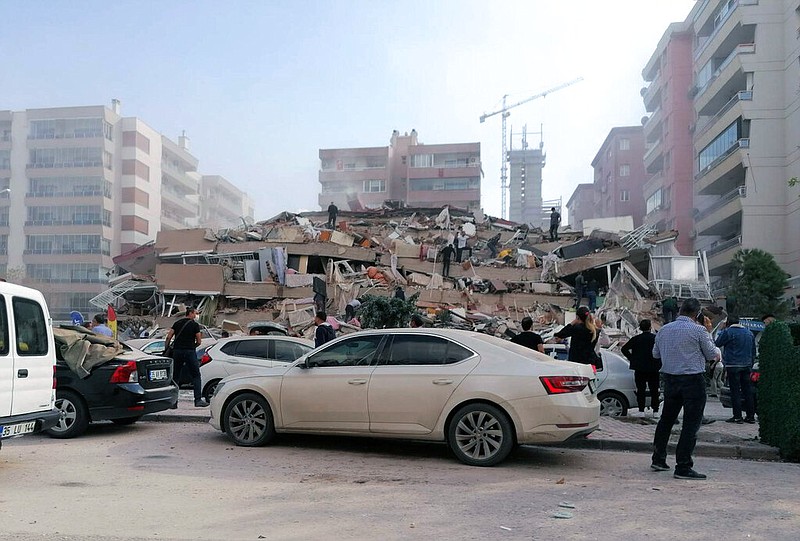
186 481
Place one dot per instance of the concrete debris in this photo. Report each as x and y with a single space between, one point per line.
286 268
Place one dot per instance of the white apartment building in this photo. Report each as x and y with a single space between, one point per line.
79 185
222 204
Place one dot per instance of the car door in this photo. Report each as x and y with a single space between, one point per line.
329 391
34 351
7 375
416 376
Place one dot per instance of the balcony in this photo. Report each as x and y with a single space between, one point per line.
724 216
724 24
729 112
718 176
720 255
651 94
184 178
654 151
726 79
653 124
344 175
652 184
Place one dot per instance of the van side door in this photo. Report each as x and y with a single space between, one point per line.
33 349
7 376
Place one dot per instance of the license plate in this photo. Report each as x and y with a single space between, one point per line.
18 429
158 375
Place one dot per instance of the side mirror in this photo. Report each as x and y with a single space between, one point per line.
305 364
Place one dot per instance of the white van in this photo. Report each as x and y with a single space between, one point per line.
27 363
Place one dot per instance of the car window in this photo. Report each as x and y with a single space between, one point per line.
356 351
258 349
3 327
30 326
155 347
289 351
413 349
229 348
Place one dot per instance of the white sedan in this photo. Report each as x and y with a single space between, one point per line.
480 394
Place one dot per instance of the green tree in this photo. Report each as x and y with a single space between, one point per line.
378 312
758 284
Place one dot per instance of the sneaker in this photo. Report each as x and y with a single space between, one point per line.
659 466
200 403
689 474
736 420
750 420
656 415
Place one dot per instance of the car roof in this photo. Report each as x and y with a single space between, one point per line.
303 341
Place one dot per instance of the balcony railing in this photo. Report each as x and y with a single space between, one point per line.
741 143
736 193
742 95
651 150
719 24
721 246
742 48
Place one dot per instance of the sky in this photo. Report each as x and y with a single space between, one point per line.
260 86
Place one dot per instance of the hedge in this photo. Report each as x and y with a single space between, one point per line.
779 391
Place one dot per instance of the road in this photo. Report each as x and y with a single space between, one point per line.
186 481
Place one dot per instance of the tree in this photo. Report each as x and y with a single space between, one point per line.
758 285
378 312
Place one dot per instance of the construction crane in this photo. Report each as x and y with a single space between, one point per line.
504 111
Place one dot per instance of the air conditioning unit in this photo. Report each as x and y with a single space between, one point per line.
473 160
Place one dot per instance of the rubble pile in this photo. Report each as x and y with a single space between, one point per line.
284 268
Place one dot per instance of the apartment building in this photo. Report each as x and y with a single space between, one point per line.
416 174
669 189
222 204
581 205
525 186
79 185
746 97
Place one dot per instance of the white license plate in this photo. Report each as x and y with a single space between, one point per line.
18 429
158 375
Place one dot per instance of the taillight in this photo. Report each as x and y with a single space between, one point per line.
594 369
205 359
754 376
54 376
126 373
564 384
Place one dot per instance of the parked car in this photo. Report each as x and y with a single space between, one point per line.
266 327
155 346
616 386
120 390
480 394
247 353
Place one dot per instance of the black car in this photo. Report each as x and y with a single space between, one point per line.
120 390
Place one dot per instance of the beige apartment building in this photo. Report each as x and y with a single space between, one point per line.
79 185
742 130
222 204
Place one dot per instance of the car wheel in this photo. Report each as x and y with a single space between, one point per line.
209 389
480 435
126 420
248 420
74 416
613 404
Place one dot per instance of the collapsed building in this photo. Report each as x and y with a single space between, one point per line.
272 270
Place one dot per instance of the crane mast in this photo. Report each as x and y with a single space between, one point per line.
504 112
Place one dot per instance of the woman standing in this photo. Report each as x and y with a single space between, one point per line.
583 336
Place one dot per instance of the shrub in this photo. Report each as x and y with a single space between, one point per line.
378 312
779 391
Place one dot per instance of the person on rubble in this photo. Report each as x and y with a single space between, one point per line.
492 245
399 293
461 245
581 332
527 337
324 333
333 210
669 309
580 283
447 254
350 309
555 222
591 294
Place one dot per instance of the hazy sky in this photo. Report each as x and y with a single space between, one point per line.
260 86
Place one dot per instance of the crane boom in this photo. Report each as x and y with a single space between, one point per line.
505 114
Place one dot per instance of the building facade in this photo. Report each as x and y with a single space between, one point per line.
416 174
525 186
581 205
222 204
669 189
79 185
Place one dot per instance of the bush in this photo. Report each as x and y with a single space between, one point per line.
779 391
378 312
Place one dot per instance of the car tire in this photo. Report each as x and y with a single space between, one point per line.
613 404
74 419
208 390
125 421
248 420
480 435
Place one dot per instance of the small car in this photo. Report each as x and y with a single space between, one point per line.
481 394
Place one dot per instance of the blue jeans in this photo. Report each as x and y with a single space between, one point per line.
739 383
592 296
687 392
186 359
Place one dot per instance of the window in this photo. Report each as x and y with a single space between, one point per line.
624 170
437 184
69 128
5 159
422 160
288 352
719 147
374 186
356 351
82 186
654 202
624 195
424 350
4 330
624 144
258 349
84 273
30 326
65 157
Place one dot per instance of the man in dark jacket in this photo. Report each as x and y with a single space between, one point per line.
324 332
739 352
639 351
447 254
555 221
528 338
333 210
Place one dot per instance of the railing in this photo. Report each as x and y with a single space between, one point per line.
651 150
740 143
702 47
721 246
742 48
742 95
64 164
74 135
736 193
443 166
343 169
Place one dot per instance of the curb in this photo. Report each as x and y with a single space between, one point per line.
761 452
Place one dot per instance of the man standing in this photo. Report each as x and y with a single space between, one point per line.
324 332
639 351
591 294
580 283
186 333
461 245
683 346
555 221
528 338
333 210
492 245
669 309
447 254
738 354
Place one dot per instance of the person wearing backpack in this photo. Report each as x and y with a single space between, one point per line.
324 332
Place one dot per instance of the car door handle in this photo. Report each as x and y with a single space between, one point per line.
442 381
23 373
356 381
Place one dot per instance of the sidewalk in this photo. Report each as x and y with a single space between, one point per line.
718 439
